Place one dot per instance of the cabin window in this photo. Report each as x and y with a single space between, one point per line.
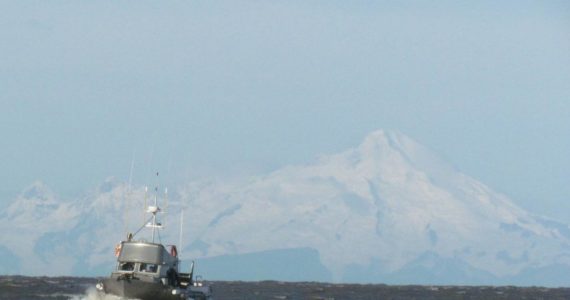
148 268
127 266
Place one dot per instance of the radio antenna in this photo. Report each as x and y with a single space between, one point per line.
181 227
165 211
144 206
127 196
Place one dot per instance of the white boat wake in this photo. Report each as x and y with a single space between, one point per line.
92 294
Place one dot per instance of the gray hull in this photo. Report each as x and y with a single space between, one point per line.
137 289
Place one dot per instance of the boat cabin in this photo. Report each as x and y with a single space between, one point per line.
146 258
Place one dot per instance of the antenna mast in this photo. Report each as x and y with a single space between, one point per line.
127 196
181 227
165 205
144 205
154 209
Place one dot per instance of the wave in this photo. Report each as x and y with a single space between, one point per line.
92 294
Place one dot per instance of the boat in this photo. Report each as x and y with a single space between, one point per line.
149 270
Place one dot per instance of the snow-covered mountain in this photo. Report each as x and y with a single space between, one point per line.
388 210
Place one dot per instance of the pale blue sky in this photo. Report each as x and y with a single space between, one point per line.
218 88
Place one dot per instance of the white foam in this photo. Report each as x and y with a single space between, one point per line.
92 294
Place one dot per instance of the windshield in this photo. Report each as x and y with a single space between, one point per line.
127 266
148 268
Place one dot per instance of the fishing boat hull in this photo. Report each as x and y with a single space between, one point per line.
138 289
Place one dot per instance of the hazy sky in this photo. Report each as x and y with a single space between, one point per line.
218 88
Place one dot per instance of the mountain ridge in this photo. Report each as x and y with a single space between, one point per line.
388 210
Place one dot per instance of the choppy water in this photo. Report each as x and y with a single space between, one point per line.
91 294
55 288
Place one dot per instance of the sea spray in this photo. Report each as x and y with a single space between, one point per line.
92 294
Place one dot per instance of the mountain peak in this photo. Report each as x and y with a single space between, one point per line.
37 199
108 185
391 146
388 139
382 136
38 190
388 145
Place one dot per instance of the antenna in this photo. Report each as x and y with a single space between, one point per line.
154 209
165 200
125 212
181 227
125 207
165 205
144 207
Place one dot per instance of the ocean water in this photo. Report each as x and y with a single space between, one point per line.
78 288
91 294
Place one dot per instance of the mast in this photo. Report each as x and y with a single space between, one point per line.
127 197
154 210
144 205
154 213
165 210
181 227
